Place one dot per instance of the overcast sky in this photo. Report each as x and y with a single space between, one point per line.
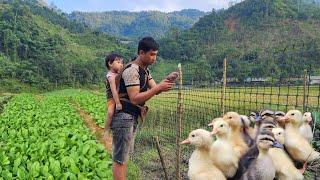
137 5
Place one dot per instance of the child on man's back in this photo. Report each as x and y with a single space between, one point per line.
114 64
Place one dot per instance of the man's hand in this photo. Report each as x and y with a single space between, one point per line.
164 85
137 97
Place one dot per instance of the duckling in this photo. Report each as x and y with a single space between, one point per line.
200 165
245 161
253 151
285 168
263 116
305 128
221 151
267 115
267 126
246 122
278 115
214 120
236 135
253 116
262 168
298 147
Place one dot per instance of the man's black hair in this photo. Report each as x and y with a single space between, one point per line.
147 43
112 57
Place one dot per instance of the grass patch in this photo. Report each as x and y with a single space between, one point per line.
133 171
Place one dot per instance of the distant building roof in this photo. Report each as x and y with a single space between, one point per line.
314 77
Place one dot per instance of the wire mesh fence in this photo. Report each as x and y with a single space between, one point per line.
279 81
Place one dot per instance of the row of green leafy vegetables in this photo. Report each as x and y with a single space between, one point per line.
95 105
44 138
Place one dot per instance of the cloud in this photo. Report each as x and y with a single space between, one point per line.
164 5
174 5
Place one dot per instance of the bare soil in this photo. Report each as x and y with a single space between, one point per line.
102 137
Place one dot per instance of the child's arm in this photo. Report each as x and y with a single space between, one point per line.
114 91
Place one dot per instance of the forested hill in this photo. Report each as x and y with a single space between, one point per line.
250 32
41 47
132 25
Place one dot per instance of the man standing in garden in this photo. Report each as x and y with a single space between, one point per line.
136 87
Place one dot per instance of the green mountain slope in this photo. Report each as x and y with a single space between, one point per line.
130 25
253 35
39 46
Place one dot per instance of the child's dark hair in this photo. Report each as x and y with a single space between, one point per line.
112 57
147 43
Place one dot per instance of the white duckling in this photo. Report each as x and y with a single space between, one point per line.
305 128
214 120
201 166
297 146
221 151
285 168
236 135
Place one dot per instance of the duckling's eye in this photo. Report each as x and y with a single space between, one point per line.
193 135
230 117
292 114
279 133
221 125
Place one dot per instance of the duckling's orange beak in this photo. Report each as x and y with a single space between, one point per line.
214 131
186 141
284 119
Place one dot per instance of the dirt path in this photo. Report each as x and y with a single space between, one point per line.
7 94
4 101
95 129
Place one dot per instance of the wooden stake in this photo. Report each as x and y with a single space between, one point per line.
223 93
179 125
161 158
304 90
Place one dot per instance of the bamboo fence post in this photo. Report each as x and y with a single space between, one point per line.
179 124
304 90
161 158
223 91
